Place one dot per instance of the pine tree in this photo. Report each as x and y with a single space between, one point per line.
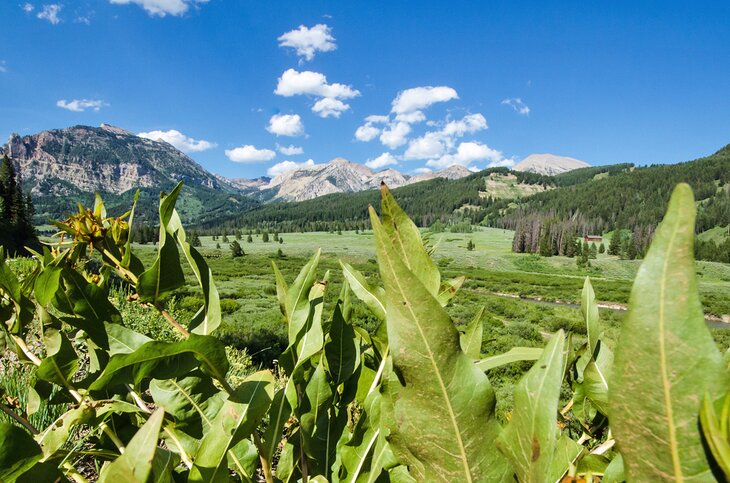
249 238
236 250
16 210
265 237
614 247
602 248
470 245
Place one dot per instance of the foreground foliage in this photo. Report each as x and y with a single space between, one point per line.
409 401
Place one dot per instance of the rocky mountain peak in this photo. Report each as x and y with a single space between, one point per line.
549 164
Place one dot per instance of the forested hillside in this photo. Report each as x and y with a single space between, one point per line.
427 202
632 200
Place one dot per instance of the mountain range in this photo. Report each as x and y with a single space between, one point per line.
61 166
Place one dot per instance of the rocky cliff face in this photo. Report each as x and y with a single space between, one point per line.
105 159
549 164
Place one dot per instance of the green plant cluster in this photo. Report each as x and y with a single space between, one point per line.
409 401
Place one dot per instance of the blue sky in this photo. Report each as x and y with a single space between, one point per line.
448 82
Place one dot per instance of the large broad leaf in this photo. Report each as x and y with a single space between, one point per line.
209 317
278 415
515 354
372 296
165 274
445 428
91 306
530 438
471 339
715 430
237 419
342 351
665 359
193 401
56 435
135 464
407 244
18 452
164 360
61 362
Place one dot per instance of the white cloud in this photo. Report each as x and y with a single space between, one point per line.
375 119
418 98
422 170
290 150
50 12
80 105
428 146
468 124
307 41
411 117
84 19
162 8
517 104
3 66
327 107
395 134
27 7
295 83
367 132
287 165
436 143
179 140
466 154
385 159
286 125
505 163
249 154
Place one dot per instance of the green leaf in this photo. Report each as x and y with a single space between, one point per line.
46 284
471 339
91 306
407 243
448 290
165 274
372 296
62 361
165 360
515 354
135 464
590 314
192 400
56 435
278 415
665 359
530 438
342 351
614 471
713 432
237 419
212 308
444 410
18 452
243 459
566 453
123 340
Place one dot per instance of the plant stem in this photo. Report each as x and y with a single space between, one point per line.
24 422
172 320
33 358
120 268
265 465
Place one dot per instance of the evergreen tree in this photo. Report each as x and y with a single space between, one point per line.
16 225
614 246
470 245
195 239
249 238
236 250
224 239
265 237
281 240
593 251
602 248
